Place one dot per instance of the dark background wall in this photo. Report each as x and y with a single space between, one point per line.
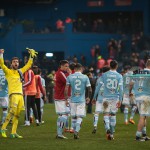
14 40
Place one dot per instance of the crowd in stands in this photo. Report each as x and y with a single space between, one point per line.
80 24
140 52
137 56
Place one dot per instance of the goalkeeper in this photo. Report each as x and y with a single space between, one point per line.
15 92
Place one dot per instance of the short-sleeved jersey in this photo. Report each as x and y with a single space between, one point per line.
3 85
113 84
78 83
99 90
126 82
142 84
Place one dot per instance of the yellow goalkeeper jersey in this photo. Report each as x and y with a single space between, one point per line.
13 77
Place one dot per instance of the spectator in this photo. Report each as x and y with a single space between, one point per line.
101 62
60 25
50 86
68 20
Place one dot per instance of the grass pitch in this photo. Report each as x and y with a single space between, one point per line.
43 137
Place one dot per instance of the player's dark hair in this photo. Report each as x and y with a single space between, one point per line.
126 68
35 69
63 62
113 64
39 71
105 69
77 66
88 74
14 59
72 65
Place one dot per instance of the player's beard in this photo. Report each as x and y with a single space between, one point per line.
15 67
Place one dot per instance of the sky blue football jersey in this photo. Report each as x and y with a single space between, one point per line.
78 83
141 84
113 84
3 85
126 82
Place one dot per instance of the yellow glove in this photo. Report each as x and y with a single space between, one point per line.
32 52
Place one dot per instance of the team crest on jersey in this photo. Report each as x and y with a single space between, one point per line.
77 94
112 91
140 89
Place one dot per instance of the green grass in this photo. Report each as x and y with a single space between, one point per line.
43 137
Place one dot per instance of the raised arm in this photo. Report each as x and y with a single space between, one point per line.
33 54
5 69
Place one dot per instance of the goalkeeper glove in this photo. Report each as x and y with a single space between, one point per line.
32 52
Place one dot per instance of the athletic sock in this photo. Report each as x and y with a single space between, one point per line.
138 134
112 124
78 124
60 124
106 123
126 114
133 112
4 116
144 131
95 120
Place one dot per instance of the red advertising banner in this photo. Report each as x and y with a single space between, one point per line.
123 2
95 3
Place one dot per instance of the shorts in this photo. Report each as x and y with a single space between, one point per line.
78 109
143 104
4 102
110 105
17 101
127 101
61 108
99 107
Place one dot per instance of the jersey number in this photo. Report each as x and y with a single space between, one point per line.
2 80
77 84
127 80
112 83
